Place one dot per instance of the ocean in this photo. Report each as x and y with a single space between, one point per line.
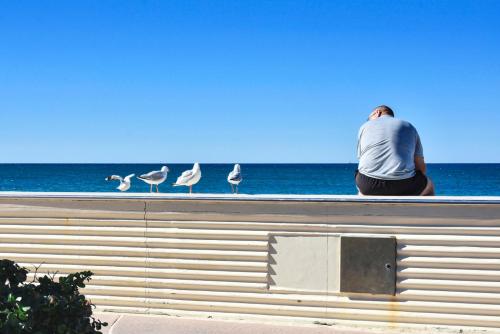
450 179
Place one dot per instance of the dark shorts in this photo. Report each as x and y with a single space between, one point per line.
407 187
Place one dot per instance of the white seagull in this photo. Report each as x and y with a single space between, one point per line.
234 178
189 178
124 182
155 177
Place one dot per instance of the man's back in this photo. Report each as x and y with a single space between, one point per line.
387 148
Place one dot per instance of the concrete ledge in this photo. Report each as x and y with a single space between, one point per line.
263 197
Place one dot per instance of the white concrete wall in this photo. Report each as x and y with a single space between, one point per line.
209 254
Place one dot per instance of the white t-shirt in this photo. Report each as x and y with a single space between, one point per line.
387 147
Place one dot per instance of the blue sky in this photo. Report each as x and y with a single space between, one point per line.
246 81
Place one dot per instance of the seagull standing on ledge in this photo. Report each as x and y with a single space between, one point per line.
155 177
189 178
124 182
234 178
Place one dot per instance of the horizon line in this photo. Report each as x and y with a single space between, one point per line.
222 163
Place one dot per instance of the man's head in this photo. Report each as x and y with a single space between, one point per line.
380 111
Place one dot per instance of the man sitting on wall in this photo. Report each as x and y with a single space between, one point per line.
391 159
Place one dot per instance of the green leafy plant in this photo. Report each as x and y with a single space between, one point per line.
44 306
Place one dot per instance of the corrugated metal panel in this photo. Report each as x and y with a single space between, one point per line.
153 256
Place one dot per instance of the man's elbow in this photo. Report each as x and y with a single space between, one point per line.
420 164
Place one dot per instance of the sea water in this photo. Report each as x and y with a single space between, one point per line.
450 179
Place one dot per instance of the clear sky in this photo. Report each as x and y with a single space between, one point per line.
244 81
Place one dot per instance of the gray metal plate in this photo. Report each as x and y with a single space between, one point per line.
368 265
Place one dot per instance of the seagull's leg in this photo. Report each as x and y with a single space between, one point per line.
190 189
236 189
232 188
151 188
157 189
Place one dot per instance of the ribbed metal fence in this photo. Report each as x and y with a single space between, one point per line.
211 255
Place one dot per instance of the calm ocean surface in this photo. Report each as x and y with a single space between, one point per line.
450 179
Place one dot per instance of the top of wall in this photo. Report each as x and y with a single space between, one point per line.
243 197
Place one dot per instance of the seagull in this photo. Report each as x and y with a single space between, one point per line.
234 178
155 177
189 178
124 182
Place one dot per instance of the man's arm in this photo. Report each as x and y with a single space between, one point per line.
419 156
420 164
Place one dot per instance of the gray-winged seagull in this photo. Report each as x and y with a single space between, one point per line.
234 178
155 177
189 177
124 182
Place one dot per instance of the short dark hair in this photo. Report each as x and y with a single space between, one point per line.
385 110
